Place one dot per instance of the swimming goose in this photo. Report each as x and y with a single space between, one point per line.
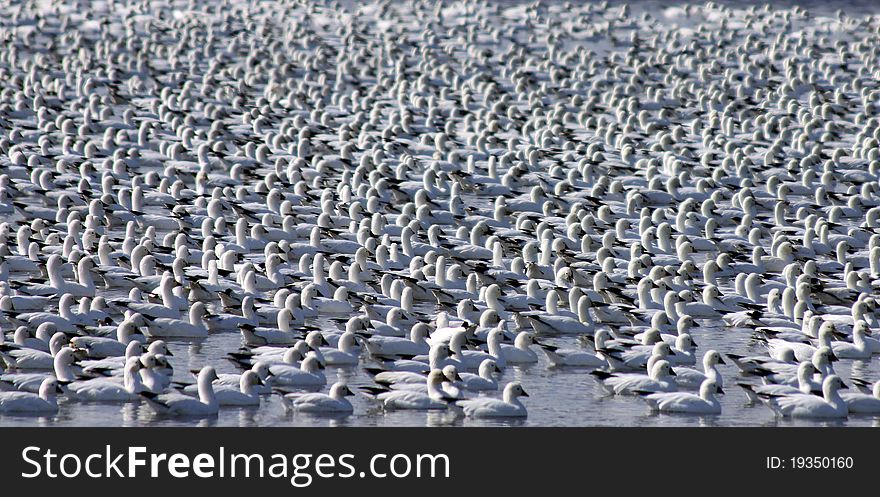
858 349
572 357
803 382
63 369
432 399
482 381
102 347
196 327
243 394
183 405
24 402
506 407
345 354
260 368
17 357
155 374
660 379
110 365
692 378
686 402
320 403
282 335
58 285
802 351
109 390
308 374
863 403
800 405
386 346
519 352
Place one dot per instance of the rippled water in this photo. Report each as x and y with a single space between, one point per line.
560 397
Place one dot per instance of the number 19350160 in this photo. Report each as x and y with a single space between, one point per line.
810 462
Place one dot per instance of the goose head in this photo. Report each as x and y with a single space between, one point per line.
450 373
311 364
49 389
249 379
661 370
709 388
340 390
512 391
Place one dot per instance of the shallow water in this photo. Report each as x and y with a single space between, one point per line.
558 397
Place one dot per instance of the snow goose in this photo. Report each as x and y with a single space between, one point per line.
183 405
752 364
803 383
314 305
108 390
800 405
25 402
553 323
519 352
101 347
802 351
863 403
58 285
62 365
386 346
153 373
64 320
692 378
23 303
308 374
858 349
482 381
432 399
320 403
572 357
660 379
686 402
260 368
244 394
344 354
109 365
509 406
282 335
196 327
17 357
637 357
40 341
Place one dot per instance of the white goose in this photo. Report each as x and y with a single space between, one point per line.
863 403
183 405
16 357
686 402
109 390
62 365
320 403
692 378
484 379
509 406
45 401
196 327
388 346
660 379
309 373
244 394
800 405
432 399
572 357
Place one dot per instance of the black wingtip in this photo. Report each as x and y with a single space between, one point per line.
602 375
